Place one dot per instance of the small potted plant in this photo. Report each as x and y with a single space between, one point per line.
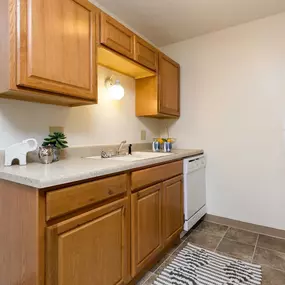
58 141
162 144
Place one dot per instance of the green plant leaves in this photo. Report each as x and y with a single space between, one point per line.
56 139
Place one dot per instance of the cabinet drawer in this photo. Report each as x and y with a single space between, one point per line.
155 174
68 199
116 36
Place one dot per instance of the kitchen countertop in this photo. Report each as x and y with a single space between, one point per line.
39 176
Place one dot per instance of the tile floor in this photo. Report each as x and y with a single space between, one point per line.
251 247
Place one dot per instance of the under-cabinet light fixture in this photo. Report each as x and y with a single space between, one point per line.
115 89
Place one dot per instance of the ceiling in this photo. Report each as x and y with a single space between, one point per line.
168 21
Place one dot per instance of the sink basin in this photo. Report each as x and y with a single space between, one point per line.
140 156
135 156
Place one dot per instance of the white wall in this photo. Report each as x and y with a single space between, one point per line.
109 122
233 106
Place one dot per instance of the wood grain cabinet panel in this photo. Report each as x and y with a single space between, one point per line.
169 77
148 176
56 47
69 199
145 53
116 36
90 249
110 243
172 208
146 226
159 96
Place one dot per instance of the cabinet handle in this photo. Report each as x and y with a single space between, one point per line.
110 192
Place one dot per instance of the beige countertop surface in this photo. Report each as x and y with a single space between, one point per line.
39 176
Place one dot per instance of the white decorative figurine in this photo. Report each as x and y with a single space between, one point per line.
19 151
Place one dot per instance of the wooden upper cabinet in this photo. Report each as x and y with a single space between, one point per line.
116 36
57 47
169 82
90 249
172 208
146 226
145 53
159 96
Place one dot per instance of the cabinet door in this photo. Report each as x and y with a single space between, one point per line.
172 208
169 81
146 226
90 249
145 53
56 47
116 36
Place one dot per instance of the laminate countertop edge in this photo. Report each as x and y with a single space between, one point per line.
40 176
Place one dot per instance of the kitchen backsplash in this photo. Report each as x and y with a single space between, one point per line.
85 151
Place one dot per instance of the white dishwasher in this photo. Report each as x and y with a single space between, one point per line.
194 190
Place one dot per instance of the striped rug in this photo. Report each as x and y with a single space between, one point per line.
197 266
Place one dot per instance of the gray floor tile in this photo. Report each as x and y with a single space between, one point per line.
175 246
236 249
187 234
237 243
179 248
159 262
163 265
271 243
197 224
241 236
270 258
272 277
150 280
212 228
204 239
144 278
242 257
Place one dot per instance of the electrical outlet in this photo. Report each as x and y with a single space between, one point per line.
143 135
56 129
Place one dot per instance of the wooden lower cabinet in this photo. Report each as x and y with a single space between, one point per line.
172 209
157 220
90 249
110 245
146 223
109 242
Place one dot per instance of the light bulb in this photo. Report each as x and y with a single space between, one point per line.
116 91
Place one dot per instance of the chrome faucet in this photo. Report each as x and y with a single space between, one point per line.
121 146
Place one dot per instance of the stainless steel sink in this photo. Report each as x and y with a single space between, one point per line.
135 156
